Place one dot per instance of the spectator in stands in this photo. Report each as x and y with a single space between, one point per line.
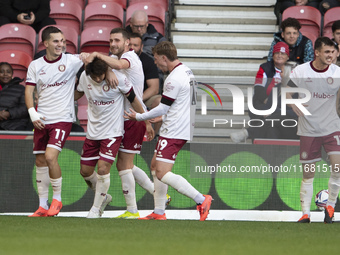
336 39
13 111
150 36
325 5
269 76
300 47
34 13
151 80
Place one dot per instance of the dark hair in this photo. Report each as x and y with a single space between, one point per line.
8 64
336 25
135 35
336 45
321 41
290 22
119 30
167 49
96 67
46 33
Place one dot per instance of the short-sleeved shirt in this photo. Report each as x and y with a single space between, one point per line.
55 81
149 68
180 88
105 106
323 86
135 75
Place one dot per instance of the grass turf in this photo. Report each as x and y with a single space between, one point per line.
60 235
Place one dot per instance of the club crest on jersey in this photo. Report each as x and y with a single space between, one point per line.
89 87
330 80
106 88
61 68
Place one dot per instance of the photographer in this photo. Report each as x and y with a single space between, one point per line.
34 13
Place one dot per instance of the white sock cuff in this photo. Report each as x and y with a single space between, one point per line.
308 181
88 178
56 180
124 172
103 177
153 173
167 176
135 168
41 169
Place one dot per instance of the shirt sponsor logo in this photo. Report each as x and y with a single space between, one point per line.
323 95
56 84
95 102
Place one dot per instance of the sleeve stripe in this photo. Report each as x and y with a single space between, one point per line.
127 61
31 84
167 100
129 91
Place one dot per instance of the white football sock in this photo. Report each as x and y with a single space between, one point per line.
181 185
56 186
143 179
43 183
333 188
159 195
306 195
91 181
103 185
128 187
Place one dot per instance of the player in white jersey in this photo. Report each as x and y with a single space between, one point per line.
128 62
322 127
54 77
105 128
177 106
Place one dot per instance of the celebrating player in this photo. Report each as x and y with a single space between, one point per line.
105 128
178 106
54 77
322 127
130 64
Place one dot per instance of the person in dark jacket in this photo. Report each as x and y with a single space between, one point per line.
300 47
13 111
150 36
34 13
269 76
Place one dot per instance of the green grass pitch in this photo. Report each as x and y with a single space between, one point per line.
60 235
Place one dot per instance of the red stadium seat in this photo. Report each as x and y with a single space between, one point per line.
80 2
122 3
71 36
156 14
309 18
310 36
95 39
98 13
19 60
18 37
163 3
328 19
66 13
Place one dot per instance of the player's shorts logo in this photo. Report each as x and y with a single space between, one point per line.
330 80
61 68
106 88
304 155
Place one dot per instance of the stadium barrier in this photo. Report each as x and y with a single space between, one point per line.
238 176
